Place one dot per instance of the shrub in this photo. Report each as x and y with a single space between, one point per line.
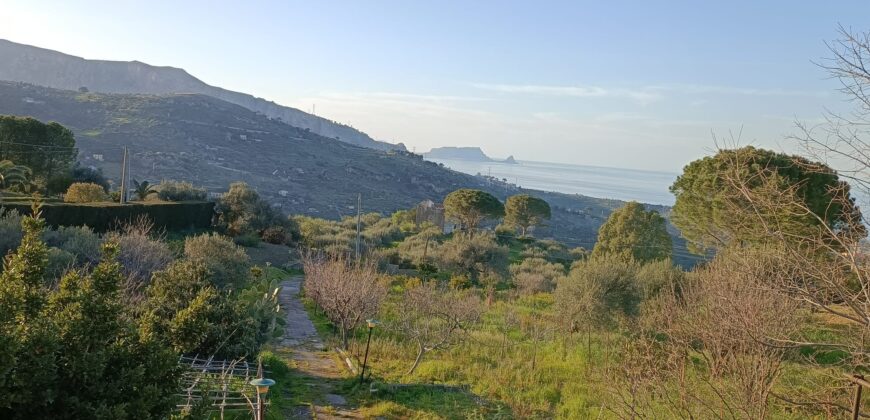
473 255
59 262
247 240
275 235
226 263
87 174
381 232
60 183
179 191
80 241
420 248
141 254
85 192
184 308
659 277
459 282
10 230
242 211
598 291
73 351
535 275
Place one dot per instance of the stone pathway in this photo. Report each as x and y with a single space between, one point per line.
311 358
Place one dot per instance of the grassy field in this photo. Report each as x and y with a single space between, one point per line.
508 368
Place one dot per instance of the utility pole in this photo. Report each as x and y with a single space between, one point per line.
358 223
124 178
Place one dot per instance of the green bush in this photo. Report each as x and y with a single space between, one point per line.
10 230
59 262
598 291
179 191
73 351
473 256
184 308
247 240
243 211
535 275
80 241
659 276
85 192
226 263
275 235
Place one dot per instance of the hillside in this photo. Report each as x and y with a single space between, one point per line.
213 143
39 66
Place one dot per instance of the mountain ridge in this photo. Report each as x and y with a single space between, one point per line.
54 69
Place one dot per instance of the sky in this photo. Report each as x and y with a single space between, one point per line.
645 85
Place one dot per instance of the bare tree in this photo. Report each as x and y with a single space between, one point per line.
720 357
348 292
536 328
843 139
143 252
435 318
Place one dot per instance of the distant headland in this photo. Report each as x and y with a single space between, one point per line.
464 153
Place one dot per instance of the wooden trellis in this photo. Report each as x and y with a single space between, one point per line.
220 385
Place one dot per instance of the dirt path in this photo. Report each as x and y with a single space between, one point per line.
310 357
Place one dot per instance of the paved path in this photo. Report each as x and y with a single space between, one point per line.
311 358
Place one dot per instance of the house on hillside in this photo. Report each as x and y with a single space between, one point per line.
429 211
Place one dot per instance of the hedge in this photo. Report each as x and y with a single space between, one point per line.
102 217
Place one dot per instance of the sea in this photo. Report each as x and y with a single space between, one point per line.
593 181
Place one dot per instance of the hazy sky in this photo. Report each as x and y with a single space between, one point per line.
625 84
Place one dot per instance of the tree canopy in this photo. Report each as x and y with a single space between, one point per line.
634 232
524 211
712 207
46 149
470 207
242 210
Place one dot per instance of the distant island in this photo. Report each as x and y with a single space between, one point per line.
464 153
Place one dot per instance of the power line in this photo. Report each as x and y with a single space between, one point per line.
44 146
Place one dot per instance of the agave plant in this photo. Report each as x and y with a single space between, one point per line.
143 189
14 176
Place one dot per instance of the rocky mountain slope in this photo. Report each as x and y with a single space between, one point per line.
24 63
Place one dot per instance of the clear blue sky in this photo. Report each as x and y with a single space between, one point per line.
626 84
